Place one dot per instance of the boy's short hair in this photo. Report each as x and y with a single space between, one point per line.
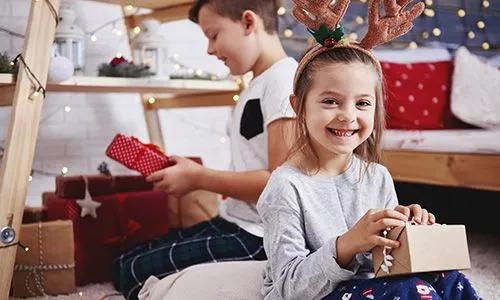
233 9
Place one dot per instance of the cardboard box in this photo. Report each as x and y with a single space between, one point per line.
424 248
49 266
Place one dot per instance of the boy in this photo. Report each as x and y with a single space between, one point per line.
242 34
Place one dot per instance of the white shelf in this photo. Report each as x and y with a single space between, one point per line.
87 84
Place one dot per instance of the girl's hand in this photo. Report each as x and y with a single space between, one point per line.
419 214
179 179
367 234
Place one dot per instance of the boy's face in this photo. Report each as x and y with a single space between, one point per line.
231 42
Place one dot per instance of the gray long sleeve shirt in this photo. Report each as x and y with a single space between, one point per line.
303 217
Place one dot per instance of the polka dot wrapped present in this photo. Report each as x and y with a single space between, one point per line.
135 155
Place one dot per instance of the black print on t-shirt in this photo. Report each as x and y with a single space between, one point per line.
252 121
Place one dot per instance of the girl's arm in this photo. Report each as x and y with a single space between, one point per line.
295 272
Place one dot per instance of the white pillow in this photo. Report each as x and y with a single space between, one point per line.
475 97
408 56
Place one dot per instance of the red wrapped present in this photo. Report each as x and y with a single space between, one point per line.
122 221
135 155
74 186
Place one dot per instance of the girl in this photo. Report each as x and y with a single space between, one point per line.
325 208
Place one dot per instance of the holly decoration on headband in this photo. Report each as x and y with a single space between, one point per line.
327 37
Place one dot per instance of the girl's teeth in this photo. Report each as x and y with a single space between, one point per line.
343 133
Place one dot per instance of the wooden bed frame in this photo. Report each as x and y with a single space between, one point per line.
476 171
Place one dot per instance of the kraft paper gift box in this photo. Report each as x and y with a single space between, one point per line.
48 267
423 248
192 208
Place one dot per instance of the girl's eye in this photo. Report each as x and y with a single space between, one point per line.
329 101
364 103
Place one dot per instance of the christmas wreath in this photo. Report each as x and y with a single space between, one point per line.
120 67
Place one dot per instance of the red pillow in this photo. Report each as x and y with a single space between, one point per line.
418 95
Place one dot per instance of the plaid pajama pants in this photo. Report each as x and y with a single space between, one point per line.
215 240
451 285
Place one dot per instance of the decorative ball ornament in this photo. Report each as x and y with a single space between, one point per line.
60 69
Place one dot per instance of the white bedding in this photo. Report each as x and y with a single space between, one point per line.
457 141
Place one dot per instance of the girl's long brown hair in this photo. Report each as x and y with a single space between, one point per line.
370 150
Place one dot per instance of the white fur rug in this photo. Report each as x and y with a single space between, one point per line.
484 275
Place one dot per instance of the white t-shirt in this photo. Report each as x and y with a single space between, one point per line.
265 100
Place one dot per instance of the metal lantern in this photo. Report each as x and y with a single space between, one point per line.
150 48
69 38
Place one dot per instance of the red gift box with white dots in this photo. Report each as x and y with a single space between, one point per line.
135 155
418 95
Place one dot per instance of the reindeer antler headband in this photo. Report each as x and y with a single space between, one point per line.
322 18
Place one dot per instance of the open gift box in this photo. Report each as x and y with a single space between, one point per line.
423 248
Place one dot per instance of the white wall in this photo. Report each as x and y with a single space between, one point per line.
78 139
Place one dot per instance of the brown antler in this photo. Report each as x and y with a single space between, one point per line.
322 10
394 24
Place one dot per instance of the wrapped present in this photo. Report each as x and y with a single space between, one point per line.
192 208
448 245
135 155
122 221
48 267
74 186
34 214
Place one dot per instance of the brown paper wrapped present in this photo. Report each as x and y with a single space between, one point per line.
48 267
192 208
423 248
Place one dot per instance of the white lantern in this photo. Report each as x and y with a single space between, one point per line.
150 48
69 38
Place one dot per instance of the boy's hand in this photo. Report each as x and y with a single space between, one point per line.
419 214
366 234
179 179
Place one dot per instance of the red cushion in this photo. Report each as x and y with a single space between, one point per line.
418 95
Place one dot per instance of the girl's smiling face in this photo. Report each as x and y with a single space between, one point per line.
340 108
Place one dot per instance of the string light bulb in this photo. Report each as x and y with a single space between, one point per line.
412 45
288 32
485 46
151 100
236 98
67 109
428 2
64 170
30 178
425 35
429 12
93 38
480 24
281 11
471 35
461 13
137 29
199 72
359 20
486 4
436 31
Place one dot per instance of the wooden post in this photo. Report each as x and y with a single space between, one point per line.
23 129
151 117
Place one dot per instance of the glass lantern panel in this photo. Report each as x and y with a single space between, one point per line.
78 54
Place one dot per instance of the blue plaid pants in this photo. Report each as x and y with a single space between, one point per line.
215 240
